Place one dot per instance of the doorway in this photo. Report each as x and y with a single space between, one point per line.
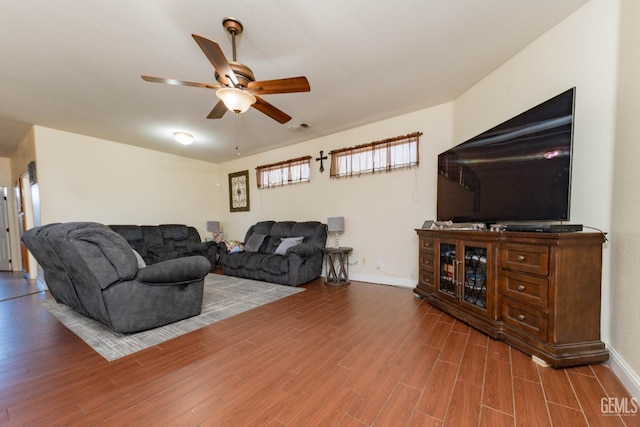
5 242
25 191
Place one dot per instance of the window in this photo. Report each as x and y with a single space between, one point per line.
379 156
284 173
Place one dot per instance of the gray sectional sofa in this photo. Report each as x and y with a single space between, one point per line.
286 252
93 270
156 243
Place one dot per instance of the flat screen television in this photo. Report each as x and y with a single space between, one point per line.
518 171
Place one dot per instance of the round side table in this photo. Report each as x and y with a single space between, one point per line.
337 265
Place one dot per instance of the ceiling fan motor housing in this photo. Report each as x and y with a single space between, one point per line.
243 73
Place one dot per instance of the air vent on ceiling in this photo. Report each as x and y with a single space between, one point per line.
299 127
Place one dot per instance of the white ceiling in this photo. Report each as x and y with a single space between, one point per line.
76 65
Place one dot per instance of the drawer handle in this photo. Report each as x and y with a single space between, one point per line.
521 287
521 258
521 317
427 244
427 262
427 280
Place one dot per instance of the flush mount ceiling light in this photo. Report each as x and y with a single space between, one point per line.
183 138
236 100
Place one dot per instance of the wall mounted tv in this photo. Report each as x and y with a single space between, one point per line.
519 170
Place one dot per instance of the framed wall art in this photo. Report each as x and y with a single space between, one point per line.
239 191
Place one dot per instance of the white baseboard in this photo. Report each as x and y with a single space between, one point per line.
383 280
625 374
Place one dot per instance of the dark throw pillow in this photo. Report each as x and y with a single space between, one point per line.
253 242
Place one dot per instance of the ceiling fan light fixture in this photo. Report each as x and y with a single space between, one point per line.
236 100
183 138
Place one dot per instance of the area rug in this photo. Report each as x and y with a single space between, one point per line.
224 296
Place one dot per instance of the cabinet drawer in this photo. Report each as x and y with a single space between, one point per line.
523 258
426 260
526 289
524 318
426 279
426 244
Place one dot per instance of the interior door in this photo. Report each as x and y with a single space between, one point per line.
5 247
22 224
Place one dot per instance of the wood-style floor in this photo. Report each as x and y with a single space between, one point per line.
355 355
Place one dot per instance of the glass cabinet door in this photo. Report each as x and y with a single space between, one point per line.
474 276
447 277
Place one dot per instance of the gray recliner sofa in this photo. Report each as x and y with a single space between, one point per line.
156 243
264 259
93 269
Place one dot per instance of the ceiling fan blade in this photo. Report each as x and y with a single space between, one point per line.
218 111
271 111
215 55
290 85
176 82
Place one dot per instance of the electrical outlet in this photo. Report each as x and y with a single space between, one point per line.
364 261
378 264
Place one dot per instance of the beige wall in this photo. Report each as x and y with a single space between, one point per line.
89 179
381 211
625 233
582 52
24 153
5 172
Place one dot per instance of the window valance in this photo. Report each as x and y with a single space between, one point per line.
283 173
378 156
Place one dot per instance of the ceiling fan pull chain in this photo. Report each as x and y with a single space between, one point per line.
235 126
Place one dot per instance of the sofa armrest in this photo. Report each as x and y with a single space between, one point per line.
303 250
179 270
204 247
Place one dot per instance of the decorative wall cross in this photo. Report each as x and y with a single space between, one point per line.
320 159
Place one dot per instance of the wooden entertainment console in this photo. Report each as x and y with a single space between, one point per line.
539 292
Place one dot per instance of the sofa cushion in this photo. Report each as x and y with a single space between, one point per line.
252 260
263 227
309 230
107 253
254 242
132 233
275 264
152 236
286 243
283 229
245 260
174 231
235 261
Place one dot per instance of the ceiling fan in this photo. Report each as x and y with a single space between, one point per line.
237 89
